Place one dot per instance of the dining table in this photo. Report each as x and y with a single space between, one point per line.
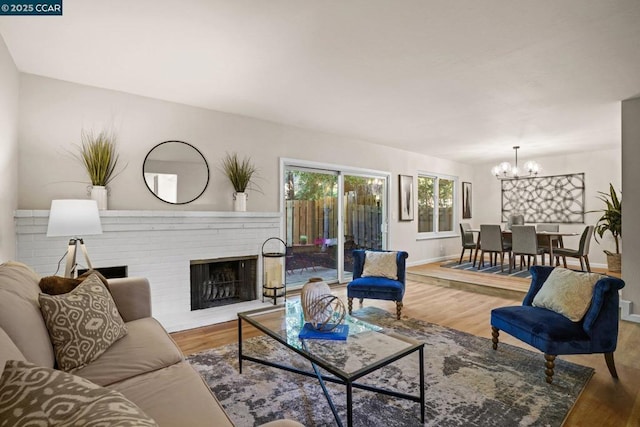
551 235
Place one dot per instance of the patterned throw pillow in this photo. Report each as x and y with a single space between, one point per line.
380 264
33 395
567 292
82 324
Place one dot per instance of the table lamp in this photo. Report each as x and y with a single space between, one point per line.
74 218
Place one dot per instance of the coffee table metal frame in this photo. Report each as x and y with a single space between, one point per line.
339 376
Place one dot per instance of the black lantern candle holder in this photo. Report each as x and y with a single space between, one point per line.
274 251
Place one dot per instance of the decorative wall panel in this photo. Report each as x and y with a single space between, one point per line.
548 199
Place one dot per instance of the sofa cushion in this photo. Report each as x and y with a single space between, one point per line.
380 264
145 348
33 395
82 324
174 396
20 315
567 292
8 350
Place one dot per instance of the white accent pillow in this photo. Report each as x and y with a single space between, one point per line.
567 292
380 264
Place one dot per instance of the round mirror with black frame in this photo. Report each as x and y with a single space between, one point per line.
175 172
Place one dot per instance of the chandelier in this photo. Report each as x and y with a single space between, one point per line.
505 171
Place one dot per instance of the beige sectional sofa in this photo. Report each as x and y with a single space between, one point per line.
146 365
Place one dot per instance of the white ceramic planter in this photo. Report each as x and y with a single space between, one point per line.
99 194
240 202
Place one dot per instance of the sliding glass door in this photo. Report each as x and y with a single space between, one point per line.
328 214
364 202
311 224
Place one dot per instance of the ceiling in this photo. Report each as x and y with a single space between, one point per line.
463 80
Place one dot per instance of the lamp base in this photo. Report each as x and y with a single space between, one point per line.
71 269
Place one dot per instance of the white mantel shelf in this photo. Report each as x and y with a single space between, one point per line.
158 245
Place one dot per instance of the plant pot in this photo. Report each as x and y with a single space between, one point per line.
99 194
239 202
614 263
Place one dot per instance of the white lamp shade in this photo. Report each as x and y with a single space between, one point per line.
74 218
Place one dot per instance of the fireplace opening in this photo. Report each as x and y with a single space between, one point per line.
223 281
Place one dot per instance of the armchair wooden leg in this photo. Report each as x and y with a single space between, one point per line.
398 309
350 304
494 334
608 357
361 301
550 358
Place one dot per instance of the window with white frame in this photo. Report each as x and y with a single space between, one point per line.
436 204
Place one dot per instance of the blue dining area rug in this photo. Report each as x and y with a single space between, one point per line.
488 269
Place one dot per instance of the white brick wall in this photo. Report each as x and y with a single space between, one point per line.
157 245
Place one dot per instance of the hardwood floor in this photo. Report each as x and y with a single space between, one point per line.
455 299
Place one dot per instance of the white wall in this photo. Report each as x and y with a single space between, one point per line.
52 114
631 205
600 169
8 152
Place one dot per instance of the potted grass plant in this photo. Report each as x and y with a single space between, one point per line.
99 155
241 174
611 221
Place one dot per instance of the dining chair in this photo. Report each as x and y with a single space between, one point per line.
524 242
543 241
491 241
582 253
467 240
516 219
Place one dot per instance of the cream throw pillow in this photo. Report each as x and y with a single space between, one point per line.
82 324
380 264
32 395
567 292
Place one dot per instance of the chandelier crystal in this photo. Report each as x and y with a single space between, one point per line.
506 171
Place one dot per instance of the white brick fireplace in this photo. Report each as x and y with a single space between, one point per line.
158 245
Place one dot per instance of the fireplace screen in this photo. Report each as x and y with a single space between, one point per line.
222 281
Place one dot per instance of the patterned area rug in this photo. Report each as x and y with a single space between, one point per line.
467 383
467 266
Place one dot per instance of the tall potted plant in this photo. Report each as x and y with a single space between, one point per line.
99 155
241 174
611 220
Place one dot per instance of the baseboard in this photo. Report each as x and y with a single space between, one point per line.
625 312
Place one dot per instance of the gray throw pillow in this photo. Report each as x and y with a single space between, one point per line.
33 395
82 324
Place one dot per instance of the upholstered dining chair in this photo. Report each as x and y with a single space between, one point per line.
491 241
543 241
582 253
378 275
550 319
467 240
524 242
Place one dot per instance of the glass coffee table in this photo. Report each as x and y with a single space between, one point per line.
374 348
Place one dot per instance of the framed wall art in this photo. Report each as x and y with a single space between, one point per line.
466 200
406 197
548 199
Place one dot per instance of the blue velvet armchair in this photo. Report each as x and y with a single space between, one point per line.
377 287
554 334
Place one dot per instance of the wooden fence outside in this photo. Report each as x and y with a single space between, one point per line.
318 221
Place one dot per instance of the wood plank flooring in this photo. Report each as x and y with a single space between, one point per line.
455 299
